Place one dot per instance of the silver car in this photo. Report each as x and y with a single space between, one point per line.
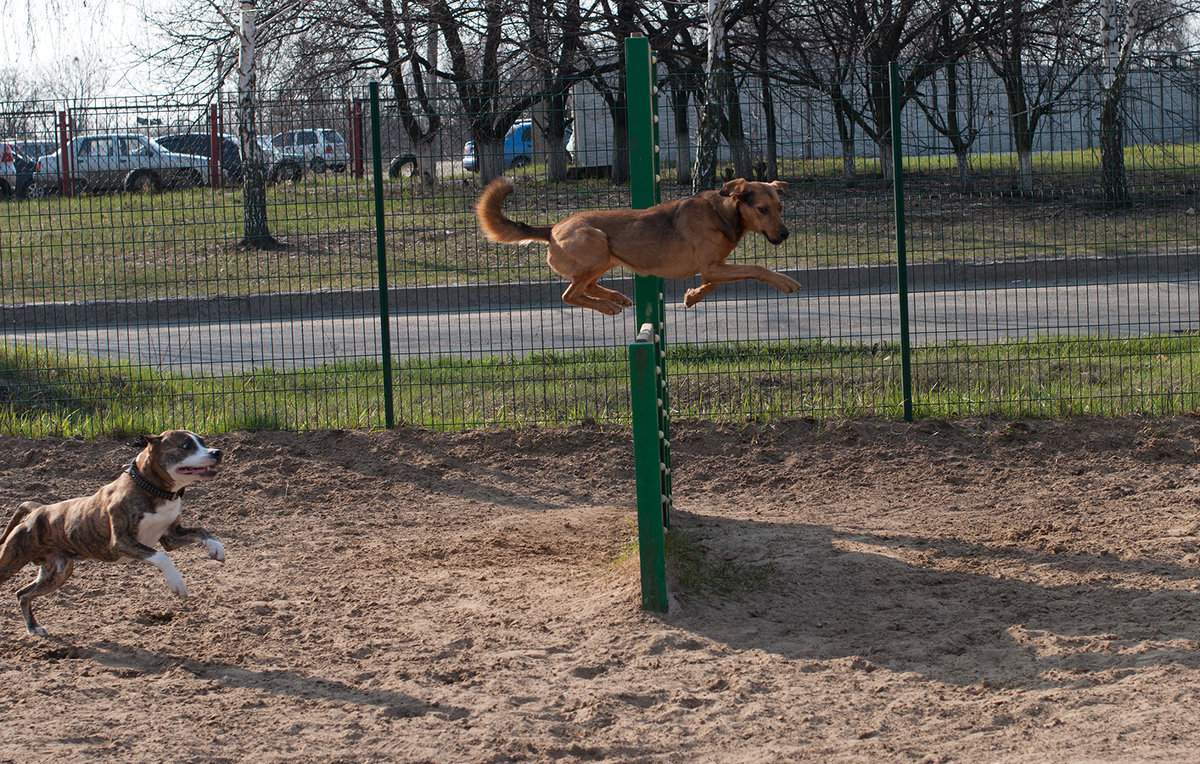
121 161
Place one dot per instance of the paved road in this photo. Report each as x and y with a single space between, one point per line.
1119 309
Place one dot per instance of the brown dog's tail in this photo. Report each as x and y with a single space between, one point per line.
498 227
19 516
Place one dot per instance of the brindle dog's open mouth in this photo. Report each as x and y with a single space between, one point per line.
201 472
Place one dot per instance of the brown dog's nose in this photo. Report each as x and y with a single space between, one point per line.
215 453
783 233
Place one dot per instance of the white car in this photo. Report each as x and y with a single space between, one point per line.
321 149
122 161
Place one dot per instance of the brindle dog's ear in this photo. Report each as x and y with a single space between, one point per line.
735 187
781 187
150 440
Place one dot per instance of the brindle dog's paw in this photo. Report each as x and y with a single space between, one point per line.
216 549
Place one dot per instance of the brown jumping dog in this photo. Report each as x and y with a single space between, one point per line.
674 240
121 522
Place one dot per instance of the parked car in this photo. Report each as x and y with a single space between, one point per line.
517 148
320 149
278 166
16 172
35 149
122 161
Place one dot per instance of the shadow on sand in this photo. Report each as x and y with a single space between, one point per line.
962 613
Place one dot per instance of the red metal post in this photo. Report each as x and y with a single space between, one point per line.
356 137
214 145
66 187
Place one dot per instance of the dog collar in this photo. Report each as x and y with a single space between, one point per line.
141 482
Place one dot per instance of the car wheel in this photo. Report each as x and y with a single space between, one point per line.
193 179
288 172
520 162
318 164
29 190
142 182
403 167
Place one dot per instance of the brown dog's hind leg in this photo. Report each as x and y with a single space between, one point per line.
54 573
604 293
577 294
581 255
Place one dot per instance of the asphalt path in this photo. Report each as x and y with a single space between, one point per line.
1126 308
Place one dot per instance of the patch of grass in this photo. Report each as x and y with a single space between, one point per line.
43 393
692 569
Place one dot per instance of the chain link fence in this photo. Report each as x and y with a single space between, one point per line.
142 286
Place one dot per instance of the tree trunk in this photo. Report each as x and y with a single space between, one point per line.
1117 45
256 232
1022 123
735 132
1112 146
550 125
845 126
880 98
704 175
772 158
620 141
683 137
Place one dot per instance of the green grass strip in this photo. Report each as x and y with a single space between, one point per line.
47 393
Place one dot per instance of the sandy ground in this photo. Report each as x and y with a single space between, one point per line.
969 591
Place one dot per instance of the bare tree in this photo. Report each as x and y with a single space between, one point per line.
1033 48
851 43
952 111
1125 27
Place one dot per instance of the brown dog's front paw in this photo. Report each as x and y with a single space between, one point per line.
788 285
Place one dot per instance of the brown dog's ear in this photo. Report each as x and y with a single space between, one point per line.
150 440
735 187
781 187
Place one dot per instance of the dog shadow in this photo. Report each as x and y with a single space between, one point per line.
133 661
952 610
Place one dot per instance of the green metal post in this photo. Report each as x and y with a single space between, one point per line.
901 239
643 389
647 355
385 326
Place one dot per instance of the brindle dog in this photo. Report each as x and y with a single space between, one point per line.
119 523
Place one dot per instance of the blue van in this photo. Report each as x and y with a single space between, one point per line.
518 148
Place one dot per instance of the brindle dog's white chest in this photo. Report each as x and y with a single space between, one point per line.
153 525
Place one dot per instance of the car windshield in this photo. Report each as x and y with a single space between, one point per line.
332 136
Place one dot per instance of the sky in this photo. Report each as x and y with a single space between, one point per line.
110 32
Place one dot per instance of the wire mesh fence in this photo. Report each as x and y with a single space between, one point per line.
144 284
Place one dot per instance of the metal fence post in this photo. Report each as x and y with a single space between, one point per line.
647 355
901 250
385 327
